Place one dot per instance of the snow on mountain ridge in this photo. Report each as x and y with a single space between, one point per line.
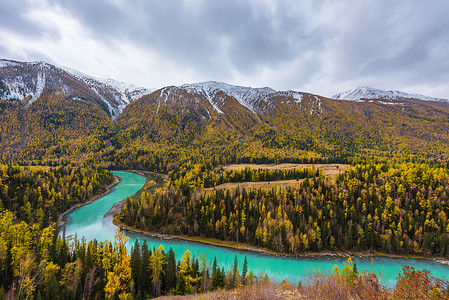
6 63
21 81
365 92
123 93
40 84
130 92
244 95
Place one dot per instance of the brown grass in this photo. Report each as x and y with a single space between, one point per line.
329 169
411 285
256 291
257 185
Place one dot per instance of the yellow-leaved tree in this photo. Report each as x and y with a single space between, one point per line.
119 280
157 261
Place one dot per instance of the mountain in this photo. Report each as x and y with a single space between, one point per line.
368 93
262 124
50 113
191 109
25 81
45 109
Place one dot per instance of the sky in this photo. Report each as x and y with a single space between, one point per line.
321 47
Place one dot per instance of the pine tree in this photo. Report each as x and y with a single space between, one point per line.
218 280
171 270
136 266
145 272
139 296
180 285
245 269
235 268
214 266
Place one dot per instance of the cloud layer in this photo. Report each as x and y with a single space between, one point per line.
322 47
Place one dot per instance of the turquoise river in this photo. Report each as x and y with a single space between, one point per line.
89 221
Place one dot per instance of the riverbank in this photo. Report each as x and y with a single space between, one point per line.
247 247
61 216
150 183
264 251
147 173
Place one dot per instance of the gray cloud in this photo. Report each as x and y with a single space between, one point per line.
244 34
318 46
396 41
13 17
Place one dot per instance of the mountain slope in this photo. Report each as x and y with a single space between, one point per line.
364 92
24 82
47 112
206 119
51 113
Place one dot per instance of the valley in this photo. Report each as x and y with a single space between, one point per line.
292 173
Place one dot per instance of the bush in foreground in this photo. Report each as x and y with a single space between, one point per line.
343 283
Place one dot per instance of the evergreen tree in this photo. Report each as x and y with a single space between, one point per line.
235 268
245 269
218 280
214 266
145 271
136 266
171 270
139 296
181 285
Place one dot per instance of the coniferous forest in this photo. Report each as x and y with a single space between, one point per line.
390 195
390 207
37 263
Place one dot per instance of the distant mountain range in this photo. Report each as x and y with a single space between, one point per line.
25 82
367 93
49 112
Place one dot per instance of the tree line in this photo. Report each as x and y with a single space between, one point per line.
204 175
38 263
38 195
387 207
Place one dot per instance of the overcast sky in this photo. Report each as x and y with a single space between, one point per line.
322 47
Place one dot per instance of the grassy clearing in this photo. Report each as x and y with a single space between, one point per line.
329 169
256 185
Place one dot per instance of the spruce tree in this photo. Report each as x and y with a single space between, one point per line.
171 270
234 270
180 286
136 266
245 268
145 271
214 266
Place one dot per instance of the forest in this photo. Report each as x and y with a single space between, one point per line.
59 152
36 262
388 207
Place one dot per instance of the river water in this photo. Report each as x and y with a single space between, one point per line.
89 221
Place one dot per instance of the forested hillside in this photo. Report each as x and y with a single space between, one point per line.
70 119
36 262
61 132
391 208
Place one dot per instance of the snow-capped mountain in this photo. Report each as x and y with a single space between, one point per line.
25 82
364 92
257 100
246 96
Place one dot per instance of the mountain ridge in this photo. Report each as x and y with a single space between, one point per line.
25 82
66 116
366 93
115 95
